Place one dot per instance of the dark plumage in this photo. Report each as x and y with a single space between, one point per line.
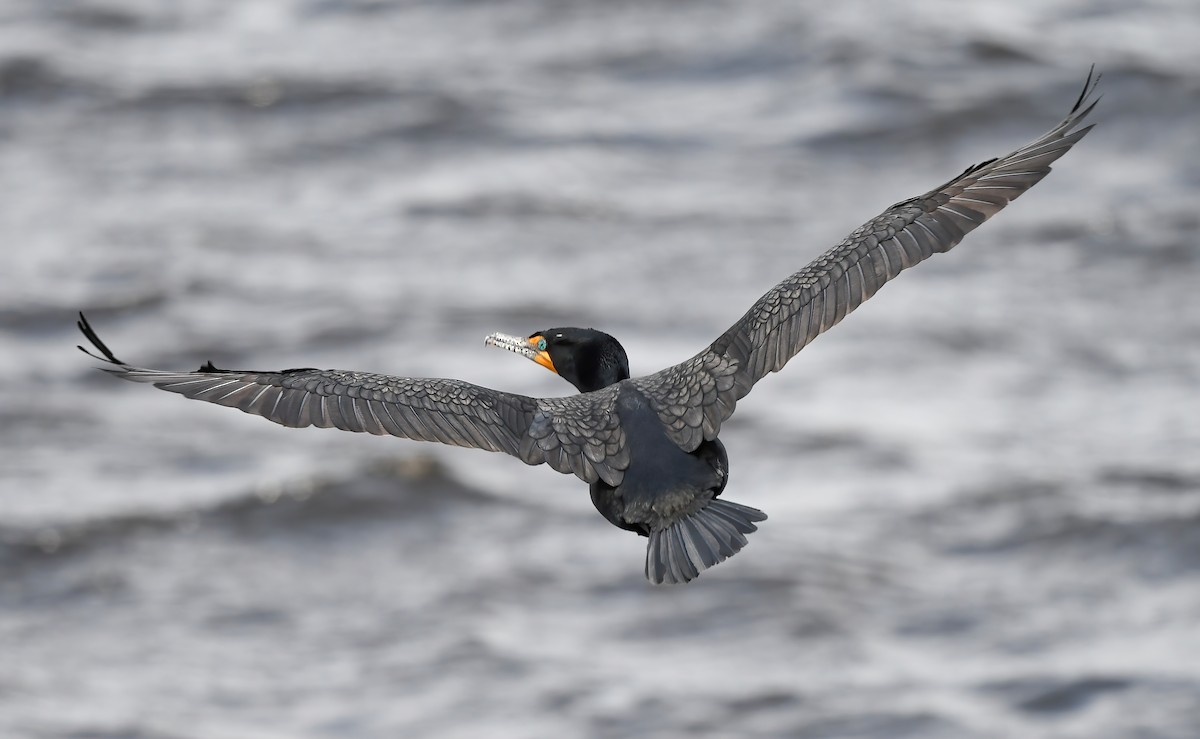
647 446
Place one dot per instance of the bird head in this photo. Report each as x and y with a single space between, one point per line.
584 357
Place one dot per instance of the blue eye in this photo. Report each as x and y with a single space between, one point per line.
541 345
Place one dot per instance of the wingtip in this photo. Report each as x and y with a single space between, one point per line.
1089 88
90 354
90 334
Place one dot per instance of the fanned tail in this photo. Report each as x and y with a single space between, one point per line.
716 532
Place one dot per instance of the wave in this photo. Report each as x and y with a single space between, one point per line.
1048 694
394 489
29 74
1055 523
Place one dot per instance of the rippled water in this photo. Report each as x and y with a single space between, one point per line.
984 487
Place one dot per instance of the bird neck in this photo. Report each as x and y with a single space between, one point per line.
606 366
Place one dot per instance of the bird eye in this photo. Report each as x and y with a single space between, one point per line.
541 345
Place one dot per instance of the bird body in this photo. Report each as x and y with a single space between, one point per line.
647 446
669 495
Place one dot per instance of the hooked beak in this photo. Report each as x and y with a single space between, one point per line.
525 347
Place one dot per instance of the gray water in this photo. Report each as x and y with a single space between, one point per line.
984 486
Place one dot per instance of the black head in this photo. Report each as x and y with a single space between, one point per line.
584 357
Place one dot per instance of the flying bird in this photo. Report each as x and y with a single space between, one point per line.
647 446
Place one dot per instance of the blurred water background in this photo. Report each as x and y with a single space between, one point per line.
984 486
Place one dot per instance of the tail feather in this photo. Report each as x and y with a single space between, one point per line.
692 544
720 535
682 566
703 546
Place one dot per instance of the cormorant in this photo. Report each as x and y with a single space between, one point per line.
648 445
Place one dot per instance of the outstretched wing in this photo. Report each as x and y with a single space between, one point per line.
578 435
694 397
